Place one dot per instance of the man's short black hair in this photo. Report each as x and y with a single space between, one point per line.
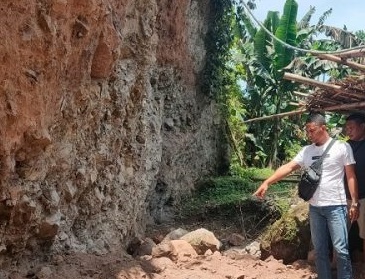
358 117
317 118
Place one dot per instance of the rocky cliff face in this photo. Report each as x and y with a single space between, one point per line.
103 125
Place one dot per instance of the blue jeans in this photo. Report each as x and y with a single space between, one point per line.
325 221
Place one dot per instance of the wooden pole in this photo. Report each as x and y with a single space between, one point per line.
279 115
309 81
352 53
300 111
323 85
302 94
339 60
345 106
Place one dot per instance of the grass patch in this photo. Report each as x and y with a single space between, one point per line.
253 173
231 191
229 199
216 192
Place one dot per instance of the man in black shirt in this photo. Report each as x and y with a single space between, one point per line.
355 130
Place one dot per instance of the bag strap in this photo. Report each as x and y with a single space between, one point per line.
318 162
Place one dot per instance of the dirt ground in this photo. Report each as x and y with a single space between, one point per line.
123 266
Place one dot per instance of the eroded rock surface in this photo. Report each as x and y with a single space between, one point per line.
103 124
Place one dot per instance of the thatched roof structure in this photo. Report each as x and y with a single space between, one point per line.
343 96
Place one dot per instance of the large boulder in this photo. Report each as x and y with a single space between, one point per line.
288 238
174 250
202 240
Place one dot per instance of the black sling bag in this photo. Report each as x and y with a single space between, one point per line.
311 177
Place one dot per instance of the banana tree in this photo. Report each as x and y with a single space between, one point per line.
334 39
267 92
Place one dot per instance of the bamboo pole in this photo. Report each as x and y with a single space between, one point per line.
323 85
323 100
345 106
352 53
339 60
302 94
294 112
300 111
309 81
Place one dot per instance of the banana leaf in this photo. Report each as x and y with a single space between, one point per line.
243 16
305 21
286 32
262 40
343 37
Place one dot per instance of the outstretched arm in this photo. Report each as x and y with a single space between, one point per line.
280 173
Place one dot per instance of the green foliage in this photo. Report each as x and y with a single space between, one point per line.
230 198
251 173
286 32
360 34
284 229
244 23
261 38
279 191
266 92
305 21
244 74
219 41
292 149
323 17
220 191
221 75
230 191
236 130
336 121
264 60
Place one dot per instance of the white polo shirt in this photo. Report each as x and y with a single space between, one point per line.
331 190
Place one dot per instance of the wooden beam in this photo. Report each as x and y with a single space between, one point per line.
350 93
309 81
279 115
302 110
321 100
323 85
302 94
339 60
352 53
345 106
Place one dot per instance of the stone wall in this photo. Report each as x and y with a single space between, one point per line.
103 124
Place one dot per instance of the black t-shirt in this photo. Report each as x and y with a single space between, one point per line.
358 148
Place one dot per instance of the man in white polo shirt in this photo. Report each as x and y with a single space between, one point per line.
328 207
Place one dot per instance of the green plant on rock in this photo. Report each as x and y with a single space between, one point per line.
284 229
218 41
289 237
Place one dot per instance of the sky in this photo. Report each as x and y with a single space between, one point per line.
344 12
